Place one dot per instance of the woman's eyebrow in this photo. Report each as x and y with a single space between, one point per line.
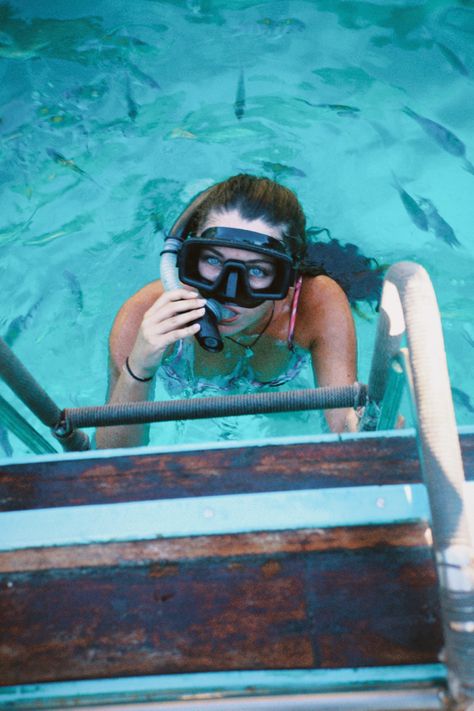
259 260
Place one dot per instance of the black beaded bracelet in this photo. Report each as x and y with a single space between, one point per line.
135 377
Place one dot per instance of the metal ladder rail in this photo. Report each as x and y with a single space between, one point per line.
409 307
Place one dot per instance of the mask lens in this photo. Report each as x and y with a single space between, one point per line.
234 274
260 271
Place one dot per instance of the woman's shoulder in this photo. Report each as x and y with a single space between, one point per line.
321 300
318 291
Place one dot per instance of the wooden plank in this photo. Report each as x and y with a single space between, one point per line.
358 462
321 609
214 547
214 515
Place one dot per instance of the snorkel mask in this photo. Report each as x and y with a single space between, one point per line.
198 262
245 282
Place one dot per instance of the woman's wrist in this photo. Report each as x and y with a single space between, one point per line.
136 373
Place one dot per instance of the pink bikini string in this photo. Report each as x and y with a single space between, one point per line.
294 307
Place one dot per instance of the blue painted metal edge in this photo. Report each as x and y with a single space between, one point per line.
214 515
248 683
202 446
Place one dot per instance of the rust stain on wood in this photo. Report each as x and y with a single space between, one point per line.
162 570
334 608
226 546
388 460
271 568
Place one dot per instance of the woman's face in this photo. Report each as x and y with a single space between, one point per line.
260 268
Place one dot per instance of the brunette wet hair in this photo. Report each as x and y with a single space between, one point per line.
254 198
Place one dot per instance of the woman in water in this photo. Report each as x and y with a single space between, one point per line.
245 247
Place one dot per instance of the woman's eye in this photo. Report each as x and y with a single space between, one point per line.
260 272
211 260
257 272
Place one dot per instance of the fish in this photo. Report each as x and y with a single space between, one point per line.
21 323
462 398
142 76
66 162
131 105
414 211
339 109
279 169
181 133
75 287
5 442
70 227
443 136
48 237
6 236
453 59
13 51
468 337
69 163
239 103
438 224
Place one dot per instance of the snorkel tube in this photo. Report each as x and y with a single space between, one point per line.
208 336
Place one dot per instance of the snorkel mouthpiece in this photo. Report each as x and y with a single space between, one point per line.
208 336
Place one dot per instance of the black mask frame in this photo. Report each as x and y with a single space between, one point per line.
232 284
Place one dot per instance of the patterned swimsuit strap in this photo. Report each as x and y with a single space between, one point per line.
294 307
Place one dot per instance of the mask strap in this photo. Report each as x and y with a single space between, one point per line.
293 309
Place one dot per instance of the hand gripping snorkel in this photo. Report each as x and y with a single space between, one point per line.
208 336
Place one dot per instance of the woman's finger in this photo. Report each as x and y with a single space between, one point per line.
177 321
175 295
178 334
172 309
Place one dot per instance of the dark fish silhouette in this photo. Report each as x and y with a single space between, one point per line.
8 236
462 398
443 137
437 223
414 211
453 59
142 76
339 109
5 442
21 323
66 162
131 105
239 104
280 170
75 287
69 163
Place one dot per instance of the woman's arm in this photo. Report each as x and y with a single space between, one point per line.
145 326
330 334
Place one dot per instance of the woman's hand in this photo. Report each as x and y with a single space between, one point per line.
169 319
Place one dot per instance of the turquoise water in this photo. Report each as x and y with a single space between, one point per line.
140 105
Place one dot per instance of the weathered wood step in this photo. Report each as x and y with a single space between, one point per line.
336 462
95 604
